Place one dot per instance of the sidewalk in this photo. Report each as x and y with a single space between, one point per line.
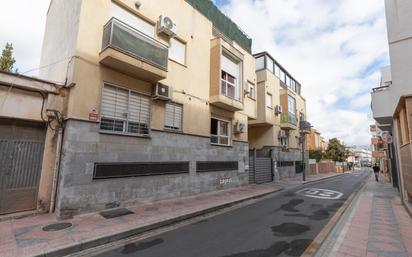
375 224
25 237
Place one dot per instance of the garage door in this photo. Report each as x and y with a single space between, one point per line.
21 154
263 170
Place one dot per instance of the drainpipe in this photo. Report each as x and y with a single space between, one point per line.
56 170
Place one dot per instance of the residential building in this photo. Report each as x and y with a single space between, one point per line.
30 114
324 143
392 100
280 109
314 140
160 98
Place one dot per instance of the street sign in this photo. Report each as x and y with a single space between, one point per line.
320 193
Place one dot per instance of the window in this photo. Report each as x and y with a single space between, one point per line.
269 102
277 71
251 90
282 76
228 85
269 64
173 116
291 105
124 111
260 63
220 132
230 75
132 20
177 51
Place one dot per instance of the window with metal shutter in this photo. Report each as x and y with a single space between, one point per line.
124 111
173 116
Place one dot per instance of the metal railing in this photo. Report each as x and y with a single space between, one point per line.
124 38
288 118
382 88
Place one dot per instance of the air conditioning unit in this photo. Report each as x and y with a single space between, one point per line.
282 134
278 109
239 127
162 92
166 25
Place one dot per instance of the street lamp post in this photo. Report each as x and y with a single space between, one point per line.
304 127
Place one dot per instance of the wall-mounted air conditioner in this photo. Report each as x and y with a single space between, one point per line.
238 127
162 92
166 25
278 109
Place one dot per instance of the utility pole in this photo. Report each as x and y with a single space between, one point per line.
304 128
302 136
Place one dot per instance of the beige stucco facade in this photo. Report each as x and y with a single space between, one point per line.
27 103
195 83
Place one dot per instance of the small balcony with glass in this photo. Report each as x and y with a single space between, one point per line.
226 76
288 118
132 52
265 62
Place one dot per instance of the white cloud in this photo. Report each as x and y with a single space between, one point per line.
22 22
334 48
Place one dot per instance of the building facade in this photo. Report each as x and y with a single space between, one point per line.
275 132
314 140
157 105
30 114
391 101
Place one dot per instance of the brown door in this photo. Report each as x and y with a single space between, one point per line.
21 154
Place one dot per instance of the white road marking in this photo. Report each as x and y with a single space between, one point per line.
320 193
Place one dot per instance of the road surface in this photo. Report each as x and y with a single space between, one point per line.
283 225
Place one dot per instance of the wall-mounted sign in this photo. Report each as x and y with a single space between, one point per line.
378 154
93 115
373 128
374 140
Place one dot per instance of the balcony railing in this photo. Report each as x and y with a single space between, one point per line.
130 41
288 118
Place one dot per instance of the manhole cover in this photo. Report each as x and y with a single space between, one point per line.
57 226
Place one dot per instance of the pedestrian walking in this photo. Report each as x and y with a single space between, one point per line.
376 170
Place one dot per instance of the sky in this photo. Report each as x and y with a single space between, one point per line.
333 48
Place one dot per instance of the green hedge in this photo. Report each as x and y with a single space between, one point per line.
222 23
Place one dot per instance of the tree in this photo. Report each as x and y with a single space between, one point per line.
6 59
336 151
316 154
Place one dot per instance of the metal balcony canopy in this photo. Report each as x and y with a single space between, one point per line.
222 23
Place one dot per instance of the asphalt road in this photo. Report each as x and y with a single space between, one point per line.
283 225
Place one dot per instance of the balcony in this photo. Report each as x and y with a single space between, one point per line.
131 52
225 89
288 121
382 107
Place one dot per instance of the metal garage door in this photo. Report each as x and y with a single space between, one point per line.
21 154
263 170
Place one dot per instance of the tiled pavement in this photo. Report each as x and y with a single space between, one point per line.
376 224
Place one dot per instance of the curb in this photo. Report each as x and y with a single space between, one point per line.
321 179
135 231
317 243
408 208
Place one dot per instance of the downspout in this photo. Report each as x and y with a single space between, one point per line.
56 170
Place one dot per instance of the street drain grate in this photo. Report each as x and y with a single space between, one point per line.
57 226
116 213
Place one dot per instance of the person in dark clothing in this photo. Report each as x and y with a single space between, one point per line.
376 170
